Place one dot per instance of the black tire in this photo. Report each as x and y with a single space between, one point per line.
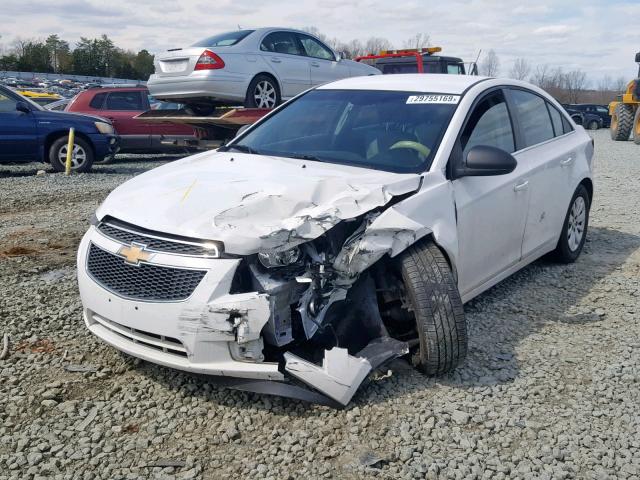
271 97
200 109
58 149
593 125
622 122
577 119
636 127
437 308
565 252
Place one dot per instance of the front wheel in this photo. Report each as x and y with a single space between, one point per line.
81 158
593 125
263 92
436 306
574 230
621 122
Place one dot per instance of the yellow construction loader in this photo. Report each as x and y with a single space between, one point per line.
625 111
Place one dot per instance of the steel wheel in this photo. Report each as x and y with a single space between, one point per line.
264 94
78 156
577 217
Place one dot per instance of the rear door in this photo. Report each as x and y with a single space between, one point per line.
121 106
322 61
547 148
18 131
283 53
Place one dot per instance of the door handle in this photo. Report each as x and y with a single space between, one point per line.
276 60
315 64
521 186
566 162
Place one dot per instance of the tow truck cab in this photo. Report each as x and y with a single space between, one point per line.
416 61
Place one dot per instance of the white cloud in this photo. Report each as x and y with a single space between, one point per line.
555 30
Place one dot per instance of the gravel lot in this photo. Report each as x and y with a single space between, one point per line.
550 388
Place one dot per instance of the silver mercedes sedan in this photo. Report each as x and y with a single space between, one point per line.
255 68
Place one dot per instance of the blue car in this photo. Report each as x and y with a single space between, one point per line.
30 133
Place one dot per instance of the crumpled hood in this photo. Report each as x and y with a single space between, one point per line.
251 203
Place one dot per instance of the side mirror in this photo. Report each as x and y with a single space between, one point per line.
638 57
23 107
483 161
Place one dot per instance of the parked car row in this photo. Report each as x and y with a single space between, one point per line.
589 115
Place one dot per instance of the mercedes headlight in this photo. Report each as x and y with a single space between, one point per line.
280 259
104 128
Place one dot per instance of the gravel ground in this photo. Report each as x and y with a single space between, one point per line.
549 389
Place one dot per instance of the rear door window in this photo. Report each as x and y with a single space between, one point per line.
556 120
124 101
98 100
281 42
533 117
489 124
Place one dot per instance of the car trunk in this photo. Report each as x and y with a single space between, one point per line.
181 61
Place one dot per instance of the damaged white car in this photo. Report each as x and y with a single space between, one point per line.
344 229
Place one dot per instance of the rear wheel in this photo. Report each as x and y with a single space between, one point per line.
574 230
621 122
435 304
636 127
593 125
263 92
81 159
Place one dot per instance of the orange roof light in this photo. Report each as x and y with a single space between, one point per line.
428 50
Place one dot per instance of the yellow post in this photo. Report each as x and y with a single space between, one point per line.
72 135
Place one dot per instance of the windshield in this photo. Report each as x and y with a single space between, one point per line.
223 39
392 131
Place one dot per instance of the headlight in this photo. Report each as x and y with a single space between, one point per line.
280 259
104 128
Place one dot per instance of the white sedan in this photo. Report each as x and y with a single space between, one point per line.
345 228
258 68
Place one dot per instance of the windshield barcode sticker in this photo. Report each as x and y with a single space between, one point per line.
448 99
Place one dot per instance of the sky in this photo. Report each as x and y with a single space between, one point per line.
600 37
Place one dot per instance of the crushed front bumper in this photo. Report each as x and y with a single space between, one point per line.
211 331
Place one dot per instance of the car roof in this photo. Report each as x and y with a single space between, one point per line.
115 89
412 82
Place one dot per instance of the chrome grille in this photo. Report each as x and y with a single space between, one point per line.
141 282
127 235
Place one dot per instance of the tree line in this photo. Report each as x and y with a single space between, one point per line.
98 57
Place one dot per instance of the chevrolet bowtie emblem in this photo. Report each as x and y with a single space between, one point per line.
134 253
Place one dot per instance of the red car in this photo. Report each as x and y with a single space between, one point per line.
121 105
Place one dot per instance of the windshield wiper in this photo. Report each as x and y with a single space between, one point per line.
240 148
304 156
